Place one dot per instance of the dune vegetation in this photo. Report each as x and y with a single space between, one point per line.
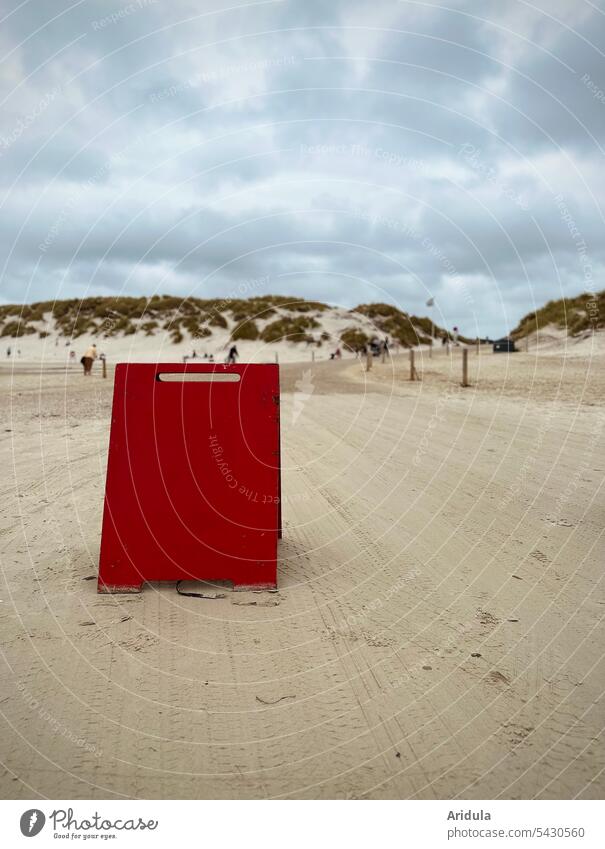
578 315
269 318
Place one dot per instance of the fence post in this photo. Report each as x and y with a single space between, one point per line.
465 367
104 367
412 368
312 356
477 346
368 361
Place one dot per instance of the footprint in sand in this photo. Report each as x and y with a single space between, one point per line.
487 618
539 555
495 677
517 733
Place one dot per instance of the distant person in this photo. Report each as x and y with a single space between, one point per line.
90 355
338 353
455 335
8 351
232 355
72 356
211 358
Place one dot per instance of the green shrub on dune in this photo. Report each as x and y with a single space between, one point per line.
17 329
353 338
408 330
391 322
578 315
290 329
246 330
218 320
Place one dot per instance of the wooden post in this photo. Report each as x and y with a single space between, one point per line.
412 368
312 356
477 346
276 357
465 367
384 354
104 367
369 361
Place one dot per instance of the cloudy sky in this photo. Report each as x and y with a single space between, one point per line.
348 151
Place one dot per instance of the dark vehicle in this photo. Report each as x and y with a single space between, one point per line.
504 346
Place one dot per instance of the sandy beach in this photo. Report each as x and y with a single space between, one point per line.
437 632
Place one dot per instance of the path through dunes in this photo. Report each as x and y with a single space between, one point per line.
436 632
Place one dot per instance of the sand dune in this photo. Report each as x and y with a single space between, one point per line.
56 347
438 627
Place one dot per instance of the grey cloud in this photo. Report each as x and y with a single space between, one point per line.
178 153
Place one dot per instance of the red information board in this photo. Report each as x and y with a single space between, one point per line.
193 478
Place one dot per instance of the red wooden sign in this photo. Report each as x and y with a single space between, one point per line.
193 477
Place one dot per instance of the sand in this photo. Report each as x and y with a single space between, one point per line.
437 632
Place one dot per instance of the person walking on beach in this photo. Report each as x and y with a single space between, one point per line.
90 355
233 355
